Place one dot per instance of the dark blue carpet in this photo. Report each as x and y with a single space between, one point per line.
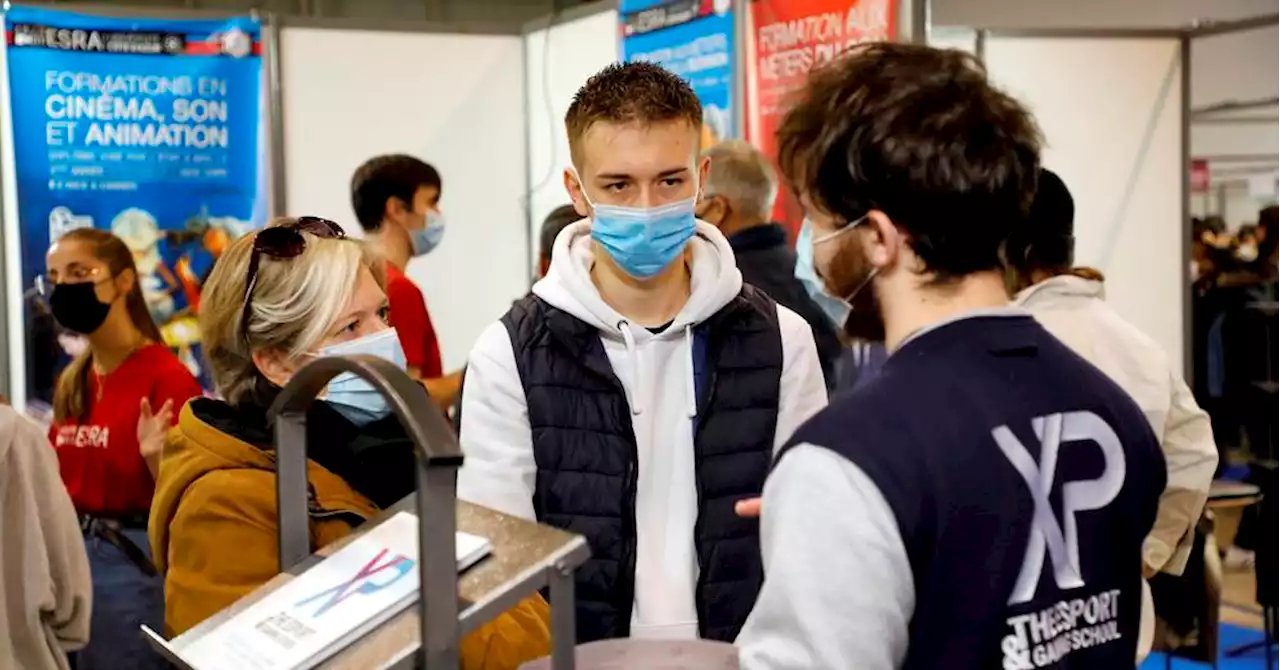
1231 637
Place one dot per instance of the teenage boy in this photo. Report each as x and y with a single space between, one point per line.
982 502
397 202
642 388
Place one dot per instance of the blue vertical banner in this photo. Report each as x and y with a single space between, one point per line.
150 128
694 39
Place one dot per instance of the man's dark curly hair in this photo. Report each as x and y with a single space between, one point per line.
630 92
921 135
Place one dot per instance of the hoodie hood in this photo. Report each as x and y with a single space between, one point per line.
714 281
1060 288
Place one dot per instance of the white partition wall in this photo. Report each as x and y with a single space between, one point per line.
558 61
962 39
453 100
1111 113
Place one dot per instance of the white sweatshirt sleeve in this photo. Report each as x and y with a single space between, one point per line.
802 389
45 588
1191 457
838 589
498 469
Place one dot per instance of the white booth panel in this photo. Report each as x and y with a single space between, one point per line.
964 39
1234 139
452 100
558 62
1110 110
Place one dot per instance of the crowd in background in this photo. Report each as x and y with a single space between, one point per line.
1234 339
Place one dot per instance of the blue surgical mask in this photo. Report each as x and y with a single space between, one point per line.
425 239
643 241
836 309
352 396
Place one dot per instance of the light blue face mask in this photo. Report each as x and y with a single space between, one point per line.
643 241
352 396
425 239
836 309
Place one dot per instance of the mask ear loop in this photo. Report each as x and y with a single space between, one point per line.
840 231
861 285
582 186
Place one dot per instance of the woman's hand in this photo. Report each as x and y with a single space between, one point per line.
152 427
749 508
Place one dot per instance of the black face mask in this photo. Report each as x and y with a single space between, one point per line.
76 307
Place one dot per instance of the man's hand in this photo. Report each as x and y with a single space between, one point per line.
152 427
749 508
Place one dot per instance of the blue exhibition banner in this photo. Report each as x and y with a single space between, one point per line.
694 39
149 128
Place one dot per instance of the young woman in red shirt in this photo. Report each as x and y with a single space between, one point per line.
112 407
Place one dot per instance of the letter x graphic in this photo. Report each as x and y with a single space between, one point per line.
341 592
1062 544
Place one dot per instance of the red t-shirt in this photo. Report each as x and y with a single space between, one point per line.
413 324
99 459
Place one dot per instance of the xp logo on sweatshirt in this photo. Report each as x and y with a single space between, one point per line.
1043 637
1062 542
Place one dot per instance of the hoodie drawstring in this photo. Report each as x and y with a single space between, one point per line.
633 398
690 388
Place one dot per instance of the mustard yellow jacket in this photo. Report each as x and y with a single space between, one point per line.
213 532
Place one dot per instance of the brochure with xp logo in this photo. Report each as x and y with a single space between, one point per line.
327 607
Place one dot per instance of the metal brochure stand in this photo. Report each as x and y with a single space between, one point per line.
526 556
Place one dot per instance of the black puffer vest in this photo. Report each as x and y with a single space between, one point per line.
585 449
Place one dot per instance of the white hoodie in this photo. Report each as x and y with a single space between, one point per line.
656 370
1074 310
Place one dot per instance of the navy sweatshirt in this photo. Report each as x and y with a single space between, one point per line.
980 504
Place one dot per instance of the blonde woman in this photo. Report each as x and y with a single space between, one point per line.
275 300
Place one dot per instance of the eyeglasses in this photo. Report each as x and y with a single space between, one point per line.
44 285
282 243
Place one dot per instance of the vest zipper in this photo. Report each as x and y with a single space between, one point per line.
629 593
700 586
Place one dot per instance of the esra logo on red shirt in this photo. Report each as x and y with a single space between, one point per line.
83 436
1041 638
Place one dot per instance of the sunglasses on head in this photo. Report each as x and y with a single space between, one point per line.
282 243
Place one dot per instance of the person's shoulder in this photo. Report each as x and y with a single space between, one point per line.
159 357
17 432
400 286
791 324
246 494
1129 334
164 366
494 343
526 312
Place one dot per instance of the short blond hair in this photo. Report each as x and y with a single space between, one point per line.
295 300
741 174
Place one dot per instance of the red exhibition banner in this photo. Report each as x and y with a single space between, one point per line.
1199 175
787 38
